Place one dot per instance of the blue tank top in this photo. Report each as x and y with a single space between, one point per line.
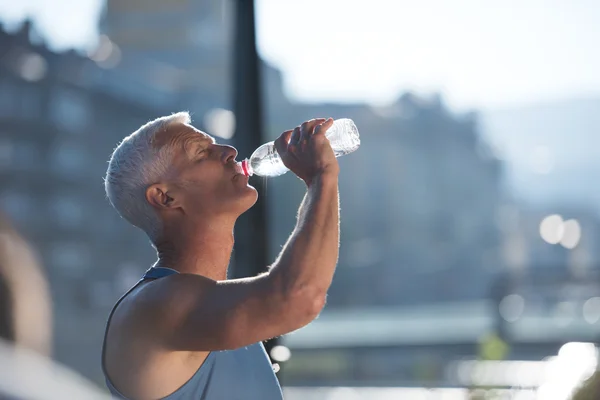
244 373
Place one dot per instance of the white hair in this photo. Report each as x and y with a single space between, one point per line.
136 164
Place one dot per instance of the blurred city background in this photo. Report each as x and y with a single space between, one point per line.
470 239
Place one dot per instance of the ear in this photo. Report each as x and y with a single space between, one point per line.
160 197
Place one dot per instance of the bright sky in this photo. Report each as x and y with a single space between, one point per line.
479 53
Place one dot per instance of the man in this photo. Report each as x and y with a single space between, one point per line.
185 331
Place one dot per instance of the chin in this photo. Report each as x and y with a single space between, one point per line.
244 200
251 197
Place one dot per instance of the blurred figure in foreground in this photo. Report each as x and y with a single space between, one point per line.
26 371
185 331
26 314
590 389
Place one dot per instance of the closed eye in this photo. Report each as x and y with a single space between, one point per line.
202 154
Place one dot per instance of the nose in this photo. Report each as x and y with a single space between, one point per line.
228 154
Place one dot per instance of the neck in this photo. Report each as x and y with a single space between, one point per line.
197 248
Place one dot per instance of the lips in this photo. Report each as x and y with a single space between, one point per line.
238 169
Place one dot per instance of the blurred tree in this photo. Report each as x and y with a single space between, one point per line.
492 348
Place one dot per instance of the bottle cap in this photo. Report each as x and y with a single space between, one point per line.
246 169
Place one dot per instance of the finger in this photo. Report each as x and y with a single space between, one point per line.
295 136
282 141
323 127
285 136
307 128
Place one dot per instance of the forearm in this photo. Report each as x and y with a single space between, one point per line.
308 260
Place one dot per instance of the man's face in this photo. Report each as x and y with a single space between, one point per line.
204 175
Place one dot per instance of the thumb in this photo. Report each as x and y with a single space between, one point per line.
323 127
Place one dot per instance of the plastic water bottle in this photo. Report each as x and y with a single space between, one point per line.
265 161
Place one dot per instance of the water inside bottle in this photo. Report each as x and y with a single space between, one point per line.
266 161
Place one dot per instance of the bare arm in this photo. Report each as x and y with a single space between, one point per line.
308 260
205 315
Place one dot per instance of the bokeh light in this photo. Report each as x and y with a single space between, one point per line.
220 122
512 307
106 53
591 310
33 67
571 234
280 353
552 229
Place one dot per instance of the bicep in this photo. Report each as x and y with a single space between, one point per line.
206 315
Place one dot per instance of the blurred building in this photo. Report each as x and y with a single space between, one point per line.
430 184
559 260
428 180
419 201
419 198
189 38
427 233
60 117
432 189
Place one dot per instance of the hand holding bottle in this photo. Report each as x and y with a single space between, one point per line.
306 151
265 161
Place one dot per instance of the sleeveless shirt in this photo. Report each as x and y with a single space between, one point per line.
245 373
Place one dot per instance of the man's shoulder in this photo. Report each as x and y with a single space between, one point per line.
160 300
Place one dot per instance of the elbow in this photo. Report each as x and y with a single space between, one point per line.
318 303
298 304
306 305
